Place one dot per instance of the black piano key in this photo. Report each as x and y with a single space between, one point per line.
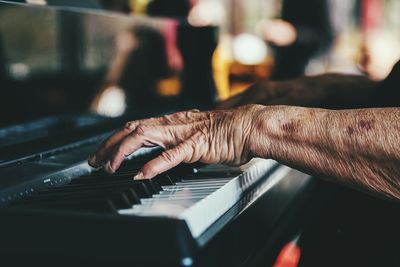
129 190
102 205
101 191
130 167
94 205
114 186
105 177
109 181
132 196
78 192
163 179
142 190
153 187
120 200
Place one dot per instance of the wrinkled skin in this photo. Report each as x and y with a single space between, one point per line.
210 137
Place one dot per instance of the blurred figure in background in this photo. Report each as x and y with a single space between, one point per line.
304 31
140 62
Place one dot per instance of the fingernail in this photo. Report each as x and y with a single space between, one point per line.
129 126
107 167
92 160
139 176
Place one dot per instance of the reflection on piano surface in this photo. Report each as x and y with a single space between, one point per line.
55 65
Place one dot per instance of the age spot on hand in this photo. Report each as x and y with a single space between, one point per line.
289 127
367 125
350 130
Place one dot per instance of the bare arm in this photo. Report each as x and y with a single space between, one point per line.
359 148
325 91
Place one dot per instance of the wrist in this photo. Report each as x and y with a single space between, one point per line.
264 122
277 128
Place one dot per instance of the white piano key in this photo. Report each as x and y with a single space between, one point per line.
178 189
205 180
187 183
199 210
192 191
153 201
185 194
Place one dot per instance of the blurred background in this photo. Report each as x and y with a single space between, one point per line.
262 39
105 56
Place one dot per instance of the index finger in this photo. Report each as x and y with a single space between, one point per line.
97 159
105 150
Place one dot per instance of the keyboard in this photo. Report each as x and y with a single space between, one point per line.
188 206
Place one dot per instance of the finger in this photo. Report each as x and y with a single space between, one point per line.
102 153
105 149
164 136
182 117
167 160
129 145
189 151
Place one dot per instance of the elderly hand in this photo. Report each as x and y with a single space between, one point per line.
224 136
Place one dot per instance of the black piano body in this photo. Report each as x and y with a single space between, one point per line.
55 64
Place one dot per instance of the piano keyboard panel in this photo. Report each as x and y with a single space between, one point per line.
198 196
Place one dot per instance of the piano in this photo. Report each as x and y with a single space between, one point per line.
57 66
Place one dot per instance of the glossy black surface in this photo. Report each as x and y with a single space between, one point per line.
77 227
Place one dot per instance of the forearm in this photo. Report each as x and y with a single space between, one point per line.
354 147
336 90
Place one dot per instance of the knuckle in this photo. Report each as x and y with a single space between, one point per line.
168 156
189 151
141 130
176 115
202 138
191 143
130 125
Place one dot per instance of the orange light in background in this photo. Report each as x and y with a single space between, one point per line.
139 6
221 60
289 256
169 87
238 62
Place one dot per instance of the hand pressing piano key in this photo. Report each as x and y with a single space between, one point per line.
191 136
